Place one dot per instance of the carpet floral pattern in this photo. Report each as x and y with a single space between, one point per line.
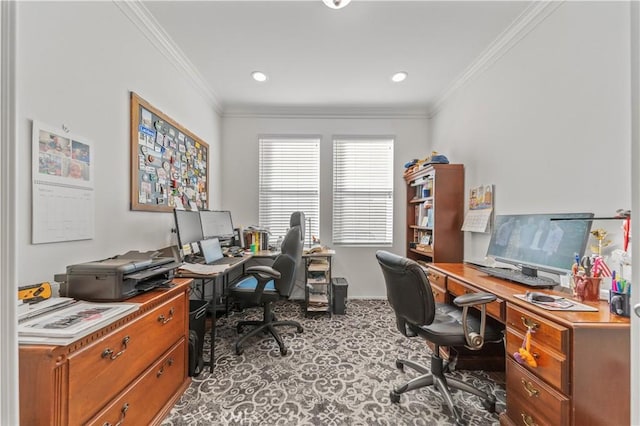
339 371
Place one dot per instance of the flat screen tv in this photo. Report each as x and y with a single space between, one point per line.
188 226
216 224
545 242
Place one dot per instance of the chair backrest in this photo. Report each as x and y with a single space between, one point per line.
298 219
408 290
288 259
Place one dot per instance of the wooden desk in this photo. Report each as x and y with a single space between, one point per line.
134 368
212 279
583 373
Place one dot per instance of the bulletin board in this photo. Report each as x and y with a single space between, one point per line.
169 164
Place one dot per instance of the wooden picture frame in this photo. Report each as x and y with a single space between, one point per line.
169 164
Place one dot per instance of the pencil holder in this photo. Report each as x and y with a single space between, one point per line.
619 303
586 288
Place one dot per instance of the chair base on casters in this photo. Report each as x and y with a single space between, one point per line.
437 379
268 324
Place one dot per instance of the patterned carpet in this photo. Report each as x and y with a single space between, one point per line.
338 372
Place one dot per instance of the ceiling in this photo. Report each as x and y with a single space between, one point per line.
316 57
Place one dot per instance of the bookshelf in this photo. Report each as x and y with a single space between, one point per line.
435 212
318 282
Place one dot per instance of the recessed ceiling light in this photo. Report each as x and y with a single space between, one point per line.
259 76
336 4
399 76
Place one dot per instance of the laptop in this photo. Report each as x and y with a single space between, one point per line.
212 253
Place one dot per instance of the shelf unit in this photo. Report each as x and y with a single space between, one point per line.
317 275
435 212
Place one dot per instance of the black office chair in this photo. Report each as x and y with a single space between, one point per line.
267 284
417 314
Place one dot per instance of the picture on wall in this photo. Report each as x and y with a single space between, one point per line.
169 164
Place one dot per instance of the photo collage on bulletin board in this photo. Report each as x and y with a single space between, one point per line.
169 165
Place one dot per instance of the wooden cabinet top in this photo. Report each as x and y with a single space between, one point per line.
422 171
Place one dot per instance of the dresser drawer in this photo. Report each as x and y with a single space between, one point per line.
548 333
552 366
458 288
113 362
144 398
531 401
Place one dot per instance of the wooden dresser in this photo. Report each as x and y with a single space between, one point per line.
132 371
583 358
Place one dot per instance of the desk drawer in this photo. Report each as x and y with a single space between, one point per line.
531 401
113 362
548 333
552 366
436 278
457 288
140 402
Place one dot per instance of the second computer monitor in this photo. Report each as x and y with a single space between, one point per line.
216 224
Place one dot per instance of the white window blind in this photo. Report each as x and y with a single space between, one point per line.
289 181
363 191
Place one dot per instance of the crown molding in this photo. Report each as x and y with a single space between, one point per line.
310 112
529 19
140 16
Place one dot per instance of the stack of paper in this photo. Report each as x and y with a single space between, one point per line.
202 269
69 323
30 310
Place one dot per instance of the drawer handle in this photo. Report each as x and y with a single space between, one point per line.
528 386
168 363
433 277
528 420
532 325
108 353
123 413
164 320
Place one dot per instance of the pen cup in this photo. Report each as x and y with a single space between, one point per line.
586 288
619 303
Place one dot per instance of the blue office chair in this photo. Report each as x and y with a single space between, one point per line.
264 285
298 219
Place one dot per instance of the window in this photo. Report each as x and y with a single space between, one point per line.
289 181
363 191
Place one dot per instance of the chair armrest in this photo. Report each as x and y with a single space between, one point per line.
474 339
474 299
263 271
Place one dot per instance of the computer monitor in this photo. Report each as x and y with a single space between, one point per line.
188 226
216 224
545 242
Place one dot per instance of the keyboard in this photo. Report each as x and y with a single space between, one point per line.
226 261
518 277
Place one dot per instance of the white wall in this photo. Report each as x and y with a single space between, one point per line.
549 123
240 190
76 64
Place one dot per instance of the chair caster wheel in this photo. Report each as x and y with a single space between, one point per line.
300 329
394 397
239 351
283 352
489 405
399 365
